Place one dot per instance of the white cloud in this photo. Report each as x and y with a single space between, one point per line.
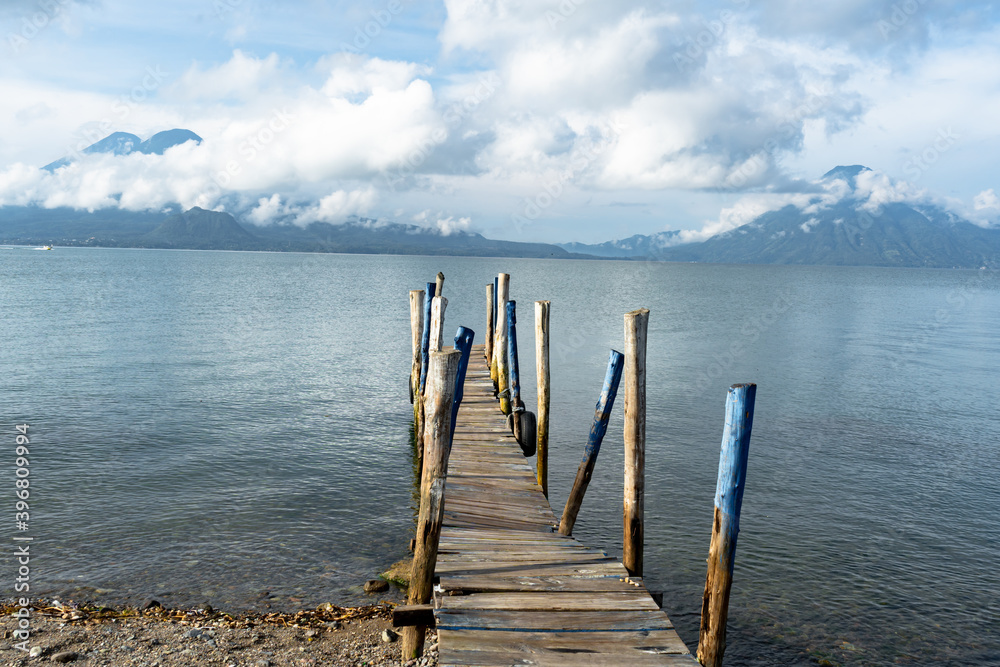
986 200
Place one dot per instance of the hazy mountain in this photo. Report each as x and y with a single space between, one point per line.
199 229
123 143
639 245
842 224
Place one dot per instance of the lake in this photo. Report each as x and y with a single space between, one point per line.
234 429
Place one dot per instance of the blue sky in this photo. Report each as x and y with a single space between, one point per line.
550 120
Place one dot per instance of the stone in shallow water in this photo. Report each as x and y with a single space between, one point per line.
376 586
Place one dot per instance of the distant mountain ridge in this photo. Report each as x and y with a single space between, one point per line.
853 230
123 143
200 229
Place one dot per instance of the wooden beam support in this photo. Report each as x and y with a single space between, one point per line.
601 415
726 524
636 324
542 374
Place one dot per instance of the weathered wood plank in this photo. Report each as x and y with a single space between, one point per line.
511 590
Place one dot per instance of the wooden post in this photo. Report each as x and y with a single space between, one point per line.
726 524
603 412
463 343
516 406
416 331
437 323
635 439
488 341
425 340
500 353
542 373
437 437
439 285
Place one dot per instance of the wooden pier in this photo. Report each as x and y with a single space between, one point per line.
512 590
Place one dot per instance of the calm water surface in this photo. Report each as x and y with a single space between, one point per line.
233 428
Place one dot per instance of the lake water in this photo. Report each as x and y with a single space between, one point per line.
234 428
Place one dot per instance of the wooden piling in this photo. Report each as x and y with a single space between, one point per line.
503 372
416 331
516 406
463 343
439 285
437 323
439 395
601 415
635 439
488 340
426 336
542 376
726 524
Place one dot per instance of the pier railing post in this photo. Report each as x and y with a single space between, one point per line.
635 439
463 343
488 341
726 524
439 285
416 331
542 375
426 336
437 323
437 438
601 415
513 368
500 353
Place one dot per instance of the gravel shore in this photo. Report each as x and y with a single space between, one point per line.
158 637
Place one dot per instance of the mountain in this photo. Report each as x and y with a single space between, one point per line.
198 229
639 245
123 143
844 222
161 141
894 234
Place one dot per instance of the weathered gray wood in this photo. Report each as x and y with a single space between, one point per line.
438 396
542 376
500 353
439 285
416 331
438 306
636 324
512 591
489 322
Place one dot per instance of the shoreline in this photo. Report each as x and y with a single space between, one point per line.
93 634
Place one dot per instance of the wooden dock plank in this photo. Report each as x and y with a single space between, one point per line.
511 590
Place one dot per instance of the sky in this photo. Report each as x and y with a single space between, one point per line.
541 120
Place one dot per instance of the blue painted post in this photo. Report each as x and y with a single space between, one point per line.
616 361
425 341
726 526
463 343
515 375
